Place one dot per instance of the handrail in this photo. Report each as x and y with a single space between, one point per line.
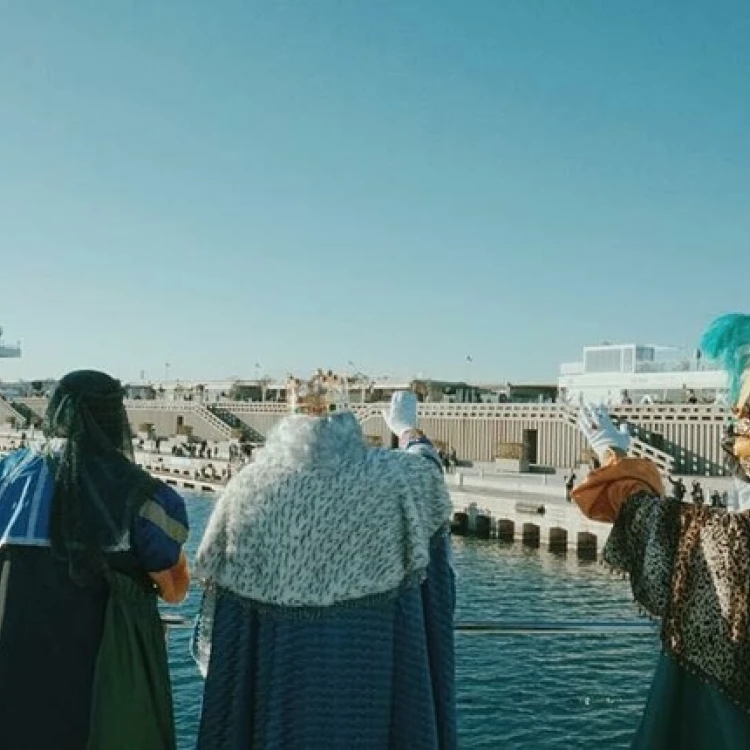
452 410
213 420
570 627
9 407
512 627
234 422
504 410
176 621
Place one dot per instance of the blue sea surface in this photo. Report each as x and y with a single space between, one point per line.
524 692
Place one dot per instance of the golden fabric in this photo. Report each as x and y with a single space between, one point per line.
173 583
601 495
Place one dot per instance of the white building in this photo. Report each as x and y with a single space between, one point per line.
616 373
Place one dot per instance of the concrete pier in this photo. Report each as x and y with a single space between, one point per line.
180 480
487 502
531 510
198 474
183 473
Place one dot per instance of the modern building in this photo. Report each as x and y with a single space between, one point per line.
518 393
637 374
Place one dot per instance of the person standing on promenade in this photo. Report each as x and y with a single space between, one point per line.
688 565
679 490
570 482
327 621
697 493
87 542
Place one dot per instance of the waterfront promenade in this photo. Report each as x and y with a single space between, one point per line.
683 439
528 507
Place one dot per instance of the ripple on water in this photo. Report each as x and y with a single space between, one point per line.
521 692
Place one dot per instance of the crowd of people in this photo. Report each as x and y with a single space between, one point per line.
717 499
448 459
236 452
328 584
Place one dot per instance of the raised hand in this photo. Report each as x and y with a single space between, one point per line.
402 414
600 432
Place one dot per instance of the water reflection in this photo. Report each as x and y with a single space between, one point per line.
571 691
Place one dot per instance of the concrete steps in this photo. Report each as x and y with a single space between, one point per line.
250 434
8 413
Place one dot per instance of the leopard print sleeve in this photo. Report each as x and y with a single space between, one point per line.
643 544
690 565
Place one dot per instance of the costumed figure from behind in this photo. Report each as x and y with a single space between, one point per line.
87 542
327 620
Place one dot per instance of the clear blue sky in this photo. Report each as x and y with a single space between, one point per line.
399 183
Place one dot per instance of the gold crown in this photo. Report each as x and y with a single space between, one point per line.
323 393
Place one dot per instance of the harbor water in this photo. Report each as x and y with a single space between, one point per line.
523 692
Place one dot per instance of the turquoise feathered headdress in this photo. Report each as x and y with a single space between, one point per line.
727 340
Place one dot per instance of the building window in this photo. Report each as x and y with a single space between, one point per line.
603 360
628 359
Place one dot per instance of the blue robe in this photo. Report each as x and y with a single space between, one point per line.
364 677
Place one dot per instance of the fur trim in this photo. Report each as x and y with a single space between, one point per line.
319 518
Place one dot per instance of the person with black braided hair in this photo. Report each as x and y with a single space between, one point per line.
88 542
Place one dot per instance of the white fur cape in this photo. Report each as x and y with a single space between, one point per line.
320 519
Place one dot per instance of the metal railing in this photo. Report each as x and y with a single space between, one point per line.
514 627
213 420
448 410
680 365
564 627
11 411
247 431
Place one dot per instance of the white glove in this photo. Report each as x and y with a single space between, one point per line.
402 415
599 431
